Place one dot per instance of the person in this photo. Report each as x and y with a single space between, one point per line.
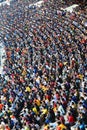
61 126
81 125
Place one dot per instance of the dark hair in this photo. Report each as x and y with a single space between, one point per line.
80 121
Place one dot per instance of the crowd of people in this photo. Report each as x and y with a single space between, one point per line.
44 79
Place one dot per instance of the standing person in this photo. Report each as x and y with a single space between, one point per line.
61 126
81 125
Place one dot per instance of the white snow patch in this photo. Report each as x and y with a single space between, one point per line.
70 8
37 4
5 2
2 58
